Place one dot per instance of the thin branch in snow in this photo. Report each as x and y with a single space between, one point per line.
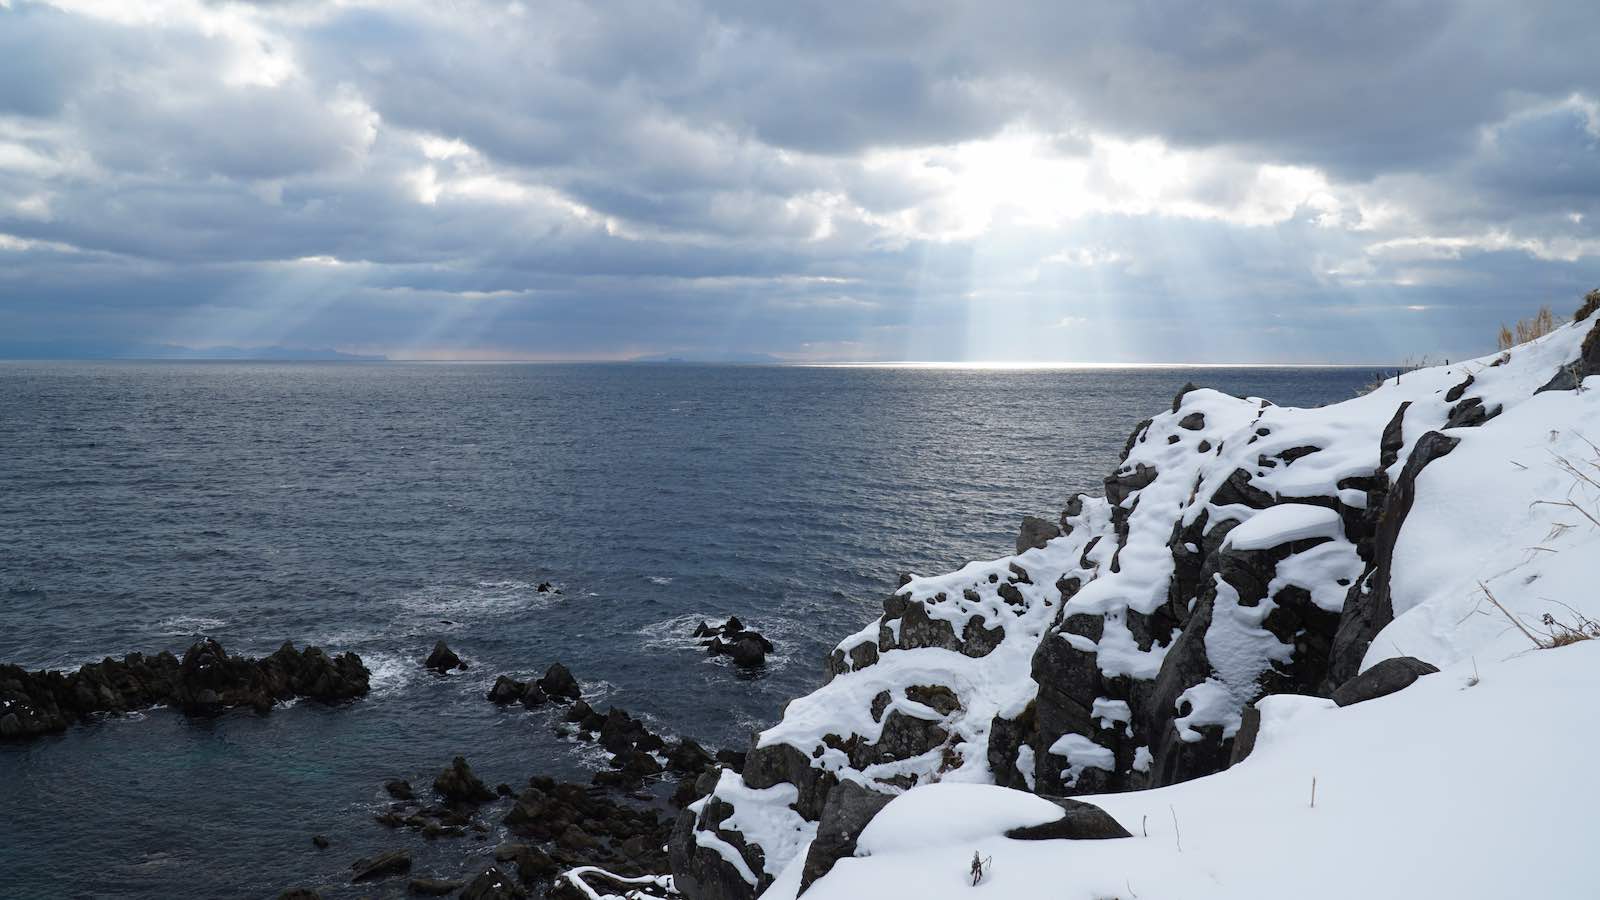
1514 620
1313 792
1176 834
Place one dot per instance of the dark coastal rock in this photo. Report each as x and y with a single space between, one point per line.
1245 741
433 887
399 789
1036 532
1367 607
689 757
206 682
299 894
507 690
384 865
1079 822
321 842
747 649
1384 678
443 659
458 783
493 884
844 816
559 685
704 875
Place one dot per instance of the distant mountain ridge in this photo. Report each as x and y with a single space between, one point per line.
69 350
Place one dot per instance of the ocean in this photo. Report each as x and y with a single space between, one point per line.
380 507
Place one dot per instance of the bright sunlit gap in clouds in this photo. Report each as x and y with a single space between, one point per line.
564 181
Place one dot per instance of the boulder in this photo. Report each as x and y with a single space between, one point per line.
848 809
493 884
748 650
458 783
559 685
688 757
1382 679
443 659
507 690
1079 822
399 789
1036 532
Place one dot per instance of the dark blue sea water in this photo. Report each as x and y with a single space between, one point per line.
381 507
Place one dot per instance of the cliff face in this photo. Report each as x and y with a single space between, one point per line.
1240 550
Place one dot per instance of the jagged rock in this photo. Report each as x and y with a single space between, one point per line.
1367 609
748 650
507 690
206 682
443 659
559 685
399 789
1036 532
384 865
1079 822
688 756
458 783
845 814
1382 679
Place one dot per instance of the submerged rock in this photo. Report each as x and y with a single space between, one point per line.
384 865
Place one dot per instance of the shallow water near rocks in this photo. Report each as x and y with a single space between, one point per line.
381 507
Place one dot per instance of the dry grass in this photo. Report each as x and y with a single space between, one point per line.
1537 325
1591 302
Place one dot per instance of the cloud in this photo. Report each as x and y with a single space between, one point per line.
933 181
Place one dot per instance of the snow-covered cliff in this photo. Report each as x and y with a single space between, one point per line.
1240 550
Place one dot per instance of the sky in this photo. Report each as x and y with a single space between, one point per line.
999 181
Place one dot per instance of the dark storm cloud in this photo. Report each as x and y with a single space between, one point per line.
567 178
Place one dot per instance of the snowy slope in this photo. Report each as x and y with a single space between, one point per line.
1241 551
1440 791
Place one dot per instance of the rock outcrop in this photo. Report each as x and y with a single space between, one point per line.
205 682
1240 549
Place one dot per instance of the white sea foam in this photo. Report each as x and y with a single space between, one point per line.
188 625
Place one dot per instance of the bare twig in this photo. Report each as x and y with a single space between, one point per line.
1514 620
1581 511
1313 792
1176 834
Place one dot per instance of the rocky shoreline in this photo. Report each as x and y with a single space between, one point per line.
205 682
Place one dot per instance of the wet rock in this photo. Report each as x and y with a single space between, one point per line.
1079 822
1382 679
433 887
206 682
559 685
745 647
400 789
494 884
299 894
443 659
689 757
507 690
458 783
320 842
384 865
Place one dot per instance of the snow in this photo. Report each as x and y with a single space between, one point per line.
1281 524
1247 832
1472 524
1405 807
